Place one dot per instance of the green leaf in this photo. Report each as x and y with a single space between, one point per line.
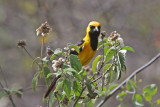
110 53
120 96
106 67
149 92
105 50
35 60
77 88
112 76
128 48
67 87
75 47
131 86
158 102
113 86
89 87
94 64
83 74
35 81
2 94
56 53
59 84
46 71
49 75
45 61
122 61
75 63
137 100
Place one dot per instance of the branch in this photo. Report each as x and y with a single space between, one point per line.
131 76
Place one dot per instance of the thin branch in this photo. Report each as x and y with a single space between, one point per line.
130 77
9 95
30 56
4 78
79 96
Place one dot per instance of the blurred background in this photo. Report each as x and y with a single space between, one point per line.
138 22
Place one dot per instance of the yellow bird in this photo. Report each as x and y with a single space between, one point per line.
88 46
87 49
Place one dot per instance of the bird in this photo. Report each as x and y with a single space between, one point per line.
88 45
87 49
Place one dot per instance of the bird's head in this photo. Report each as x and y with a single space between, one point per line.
94 28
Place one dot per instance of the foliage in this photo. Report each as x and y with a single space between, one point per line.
78 85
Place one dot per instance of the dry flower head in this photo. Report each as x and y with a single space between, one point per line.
57 64
49 51
44 29
114 36
21 43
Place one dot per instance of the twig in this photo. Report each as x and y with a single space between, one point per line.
9 95
30 56
3 76
79 96
131 76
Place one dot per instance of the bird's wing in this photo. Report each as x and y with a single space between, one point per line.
80 44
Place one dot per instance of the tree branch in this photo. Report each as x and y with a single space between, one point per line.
131 76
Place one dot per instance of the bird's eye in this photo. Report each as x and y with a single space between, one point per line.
92 27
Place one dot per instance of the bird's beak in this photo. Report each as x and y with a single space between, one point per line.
96 29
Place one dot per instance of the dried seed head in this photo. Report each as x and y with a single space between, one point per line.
49 51
44 29
57 64
21 43
114 36
103 34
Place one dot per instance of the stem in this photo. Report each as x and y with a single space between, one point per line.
79 97
42 47
130 77
30 56
42 51
3 76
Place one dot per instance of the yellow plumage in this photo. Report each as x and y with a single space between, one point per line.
90 43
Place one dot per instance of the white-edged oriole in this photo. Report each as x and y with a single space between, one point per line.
87 49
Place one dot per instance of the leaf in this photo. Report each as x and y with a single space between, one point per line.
131 86
94 64
89 87
106 67
35 81
75 47
59 84
110 53
75 63
149 92
120 96
67 87
128 48
158 101
105 50
45 61
2 94
137 100
46 71
112 87
122 61
35 60
77 88
49 75
112 76
56 53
